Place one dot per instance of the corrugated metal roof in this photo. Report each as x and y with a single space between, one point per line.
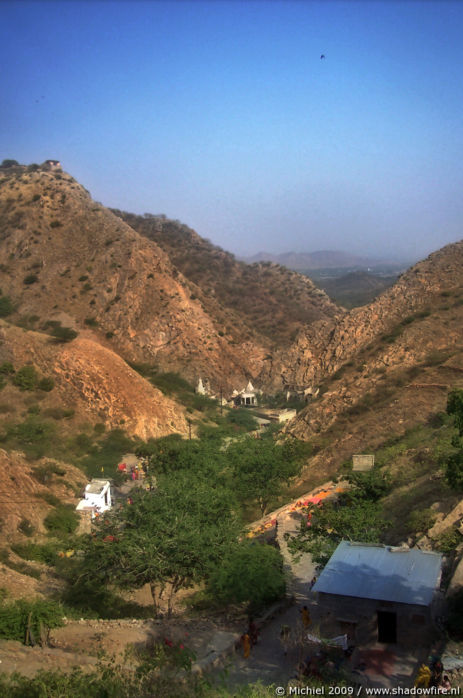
380 572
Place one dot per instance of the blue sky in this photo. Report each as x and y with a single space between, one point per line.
222 114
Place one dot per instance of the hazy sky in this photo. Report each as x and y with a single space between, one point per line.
223 115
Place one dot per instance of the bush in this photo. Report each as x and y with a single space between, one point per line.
63 520
171 382
449 540
6 306
50 498
91 322
46 384
30 279
371 485
46 553
241 417
44 473
55 224
38 616
6 368
25 527
454 471
9 163
421 520
63 334
26 378
251 573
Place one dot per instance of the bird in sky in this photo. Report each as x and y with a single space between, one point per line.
322 56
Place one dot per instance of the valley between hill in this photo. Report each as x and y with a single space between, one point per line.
108 320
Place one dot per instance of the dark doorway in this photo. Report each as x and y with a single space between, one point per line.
387 626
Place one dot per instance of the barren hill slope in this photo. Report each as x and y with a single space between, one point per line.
389 365
66 258
189 307
93 381
271 299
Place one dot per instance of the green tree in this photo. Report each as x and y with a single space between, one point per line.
351 519
33 435
371 485
454 463
261 468
454 471
9 163
26 378
250 572
172 453
46 384
62 520
455 407
169 539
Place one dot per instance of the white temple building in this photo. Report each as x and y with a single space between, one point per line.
97 497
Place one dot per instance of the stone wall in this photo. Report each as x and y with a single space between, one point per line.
359 619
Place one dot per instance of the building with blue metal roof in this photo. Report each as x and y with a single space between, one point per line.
380 593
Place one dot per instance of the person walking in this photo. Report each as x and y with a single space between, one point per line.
246 642
305 617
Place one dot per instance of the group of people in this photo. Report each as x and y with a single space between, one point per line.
251 636
433 676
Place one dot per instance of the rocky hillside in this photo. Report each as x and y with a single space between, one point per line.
91 380
66 259
387 366
269 298
146 289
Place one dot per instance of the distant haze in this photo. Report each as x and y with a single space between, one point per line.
326 259
225 116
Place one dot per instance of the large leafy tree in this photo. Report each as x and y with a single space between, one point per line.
356 515
172 453
455 407
262 468
250 572
454 463
169 539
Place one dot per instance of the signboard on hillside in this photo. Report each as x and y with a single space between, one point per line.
363 463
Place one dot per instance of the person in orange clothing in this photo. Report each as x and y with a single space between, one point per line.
305 617
246 642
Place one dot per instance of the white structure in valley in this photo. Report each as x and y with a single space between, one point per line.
97 497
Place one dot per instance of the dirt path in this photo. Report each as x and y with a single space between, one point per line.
268 661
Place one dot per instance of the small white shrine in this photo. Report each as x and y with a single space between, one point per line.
97 497
247 397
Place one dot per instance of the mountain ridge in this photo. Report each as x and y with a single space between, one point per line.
324 259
